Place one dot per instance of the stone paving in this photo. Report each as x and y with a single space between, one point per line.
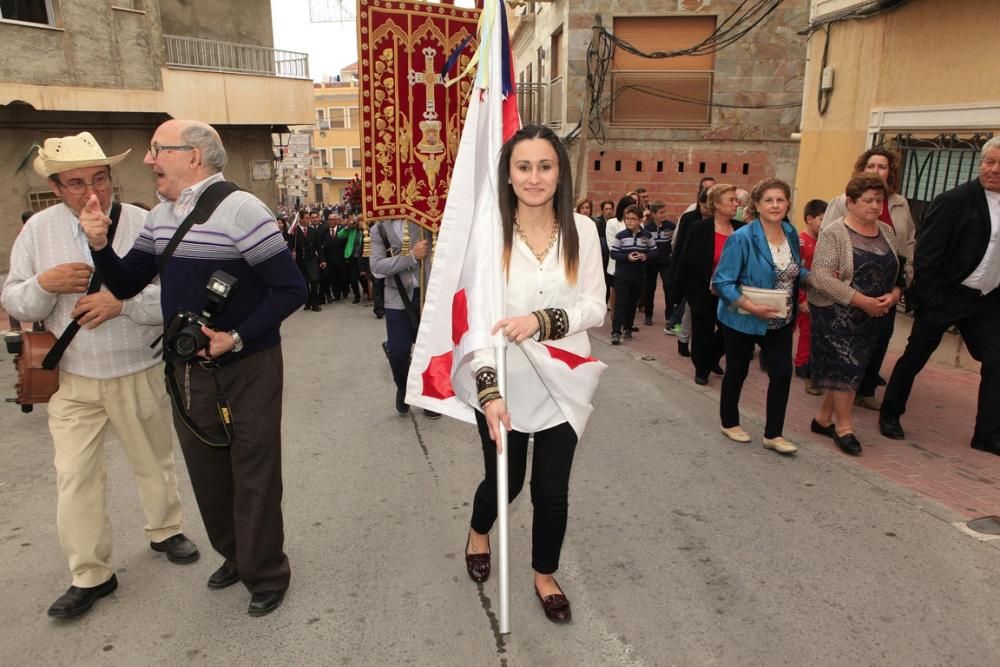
935 460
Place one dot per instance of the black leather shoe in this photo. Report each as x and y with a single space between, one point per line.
718 370
178 548
556 607
430 414
317 309
77 600
224 577
648 321
477 565
829 431
890 427
357 299
262 604
683 349
701 378
401 406
988 447
848 443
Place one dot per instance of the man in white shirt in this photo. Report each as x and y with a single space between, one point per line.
107 375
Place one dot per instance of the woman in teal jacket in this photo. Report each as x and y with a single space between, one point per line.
765 254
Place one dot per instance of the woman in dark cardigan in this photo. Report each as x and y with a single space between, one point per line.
693 263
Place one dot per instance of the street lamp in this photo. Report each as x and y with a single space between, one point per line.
279 143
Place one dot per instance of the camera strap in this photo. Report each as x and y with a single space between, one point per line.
221 405
207 203
51 359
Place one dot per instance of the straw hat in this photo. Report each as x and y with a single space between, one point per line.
61 154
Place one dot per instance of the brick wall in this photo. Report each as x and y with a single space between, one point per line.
673 176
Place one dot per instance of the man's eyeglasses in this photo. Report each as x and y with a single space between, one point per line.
77 186
154 149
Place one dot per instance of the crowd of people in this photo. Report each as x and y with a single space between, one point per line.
739 279
737 276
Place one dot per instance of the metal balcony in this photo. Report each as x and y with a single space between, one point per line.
211 56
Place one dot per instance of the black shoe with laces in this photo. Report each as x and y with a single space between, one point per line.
401 406
77 600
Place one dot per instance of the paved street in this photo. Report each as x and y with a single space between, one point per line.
683 548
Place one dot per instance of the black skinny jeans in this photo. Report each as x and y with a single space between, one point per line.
551 462
777 347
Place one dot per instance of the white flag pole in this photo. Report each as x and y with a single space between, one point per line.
503 543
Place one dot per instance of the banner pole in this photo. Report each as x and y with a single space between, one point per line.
503 543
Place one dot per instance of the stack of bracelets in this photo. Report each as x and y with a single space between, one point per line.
553 324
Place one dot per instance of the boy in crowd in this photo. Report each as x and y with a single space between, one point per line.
662 231
813 215
631 249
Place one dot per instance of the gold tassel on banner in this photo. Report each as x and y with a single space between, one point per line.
366 243
405 248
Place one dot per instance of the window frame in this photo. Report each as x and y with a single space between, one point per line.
50 14
688 72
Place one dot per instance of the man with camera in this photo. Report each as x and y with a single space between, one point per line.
107 375
228 385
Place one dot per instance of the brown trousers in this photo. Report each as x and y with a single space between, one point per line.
239 488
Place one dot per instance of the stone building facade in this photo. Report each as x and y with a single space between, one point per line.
119 69
647 131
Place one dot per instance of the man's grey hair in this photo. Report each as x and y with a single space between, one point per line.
207 141
992 144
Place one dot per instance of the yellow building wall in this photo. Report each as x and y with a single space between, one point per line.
918 55
336 177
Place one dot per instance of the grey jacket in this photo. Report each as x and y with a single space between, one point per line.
390 263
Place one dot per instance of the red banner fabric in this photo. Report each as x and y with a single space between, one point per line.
411 123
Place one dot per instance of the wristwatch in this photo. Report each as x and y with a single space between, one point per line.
237 341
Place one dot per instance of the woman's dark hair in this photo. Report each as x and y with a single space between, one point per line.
891 156
569 239
864 181
634 210
623 204
758 193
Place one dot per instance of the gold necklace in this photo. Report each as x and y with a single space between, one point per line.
540 256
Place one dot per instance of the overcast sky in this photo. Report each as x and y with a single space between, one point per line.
331 45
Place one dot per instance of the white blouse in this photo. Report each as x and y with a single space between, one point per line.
535 285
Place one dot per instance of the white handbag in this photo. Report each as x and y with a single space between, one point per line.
773 298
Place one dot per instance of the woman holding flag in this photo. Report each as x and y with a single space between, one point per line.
551 259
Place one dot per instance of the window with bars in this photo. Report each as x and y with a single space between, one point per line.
932 164
662 92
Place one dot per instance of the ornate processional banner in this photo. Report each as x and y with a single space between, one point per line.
411 123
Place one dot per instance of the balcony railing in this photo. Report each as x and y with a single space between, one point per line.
211 56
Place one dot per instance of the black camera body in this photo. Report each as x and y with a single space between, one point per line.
183 338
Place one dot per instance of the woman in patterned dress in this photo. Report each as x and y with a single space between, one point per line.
857 281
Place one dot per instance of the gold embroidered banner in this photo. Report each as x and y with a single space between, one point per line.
411 123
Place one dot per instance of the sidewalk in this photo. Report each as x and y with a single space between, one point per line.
935 460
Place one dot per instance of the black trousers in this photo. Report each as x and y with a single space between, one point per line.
400 337
655 271
551 461
707 342
777 345
627 289
353 277
870 381
378 296
238 488
978 319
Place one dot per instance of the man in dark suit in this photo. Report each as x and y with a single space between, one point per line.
956 272
329 280
307 248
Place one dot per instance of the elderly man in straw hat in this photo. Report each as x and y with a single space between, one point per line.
107 375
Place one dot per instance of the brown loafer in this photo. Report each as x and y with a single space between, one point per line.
477 565
556 607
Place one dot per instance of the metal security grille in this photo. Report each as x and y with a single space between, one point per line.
934 164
